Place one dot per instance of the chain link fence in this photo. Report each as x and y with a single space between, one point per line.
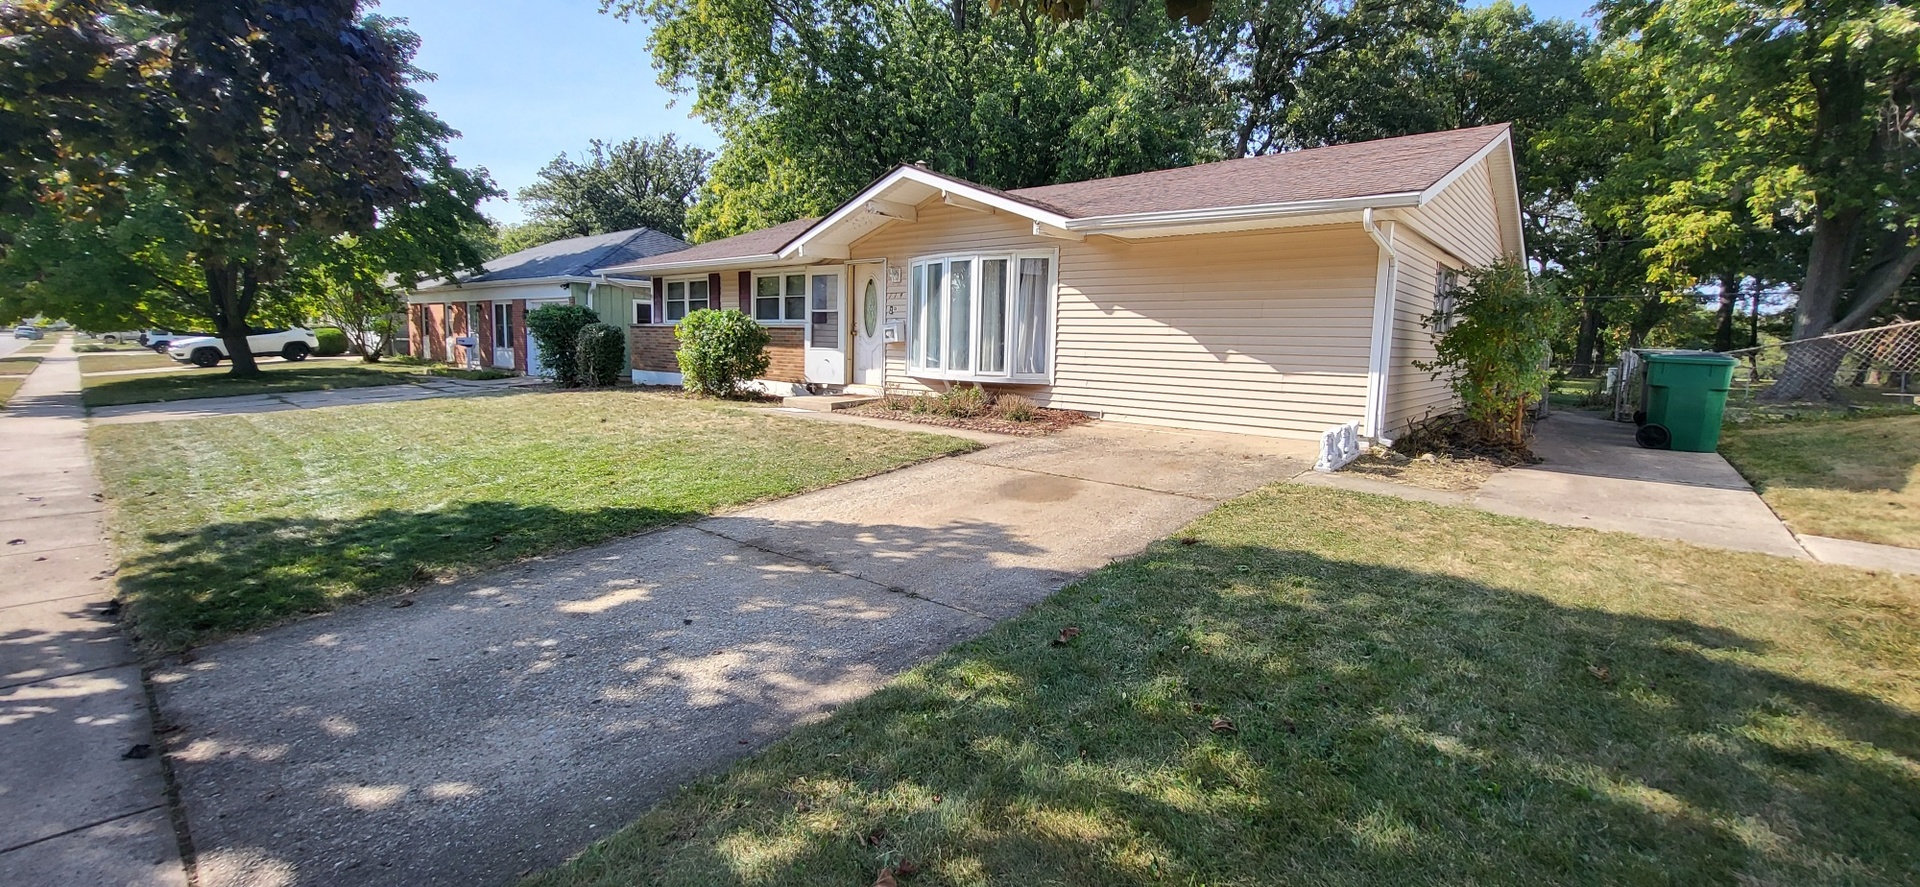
1874 367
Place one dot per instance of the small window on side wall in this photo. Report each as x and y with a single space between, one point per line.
1445 282
642 311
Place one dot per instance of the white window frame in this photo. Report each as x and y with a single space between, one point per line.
685 284
915 321
806 290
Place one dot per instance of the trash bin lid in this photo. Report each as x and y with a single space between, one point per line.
1710 358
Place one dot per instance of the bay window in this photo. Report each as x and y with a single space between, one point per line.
685 297
981 317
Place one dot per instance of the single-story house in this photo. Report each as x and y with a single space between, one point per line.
1278 295
491 306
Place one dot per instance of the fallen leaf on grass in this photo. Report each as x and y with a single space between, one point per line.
885 879
906 869
1189 540
1600 672
1067 635
1223 727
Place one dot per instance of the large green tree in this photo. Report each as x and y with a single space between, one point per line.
614 186
1786 115
258 124
816 99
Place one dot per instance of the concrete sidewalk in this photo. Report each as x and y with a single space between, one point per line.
74 810
247 404
498 725
1593 475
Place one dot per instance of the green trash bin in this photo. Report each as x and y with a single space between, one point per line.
1686 399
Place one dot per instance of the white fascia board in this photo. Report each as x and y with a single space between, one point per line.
728 264
1433 190
1118 225
877 191
448 292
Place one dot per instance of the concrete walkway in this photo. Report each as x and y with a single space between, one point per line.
246 404
1594 476
74 810
498 725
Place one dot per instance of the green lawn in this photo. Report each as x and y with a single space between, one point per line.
1845 478
1317 687
228 524
18 364
109 361
9 385
276 378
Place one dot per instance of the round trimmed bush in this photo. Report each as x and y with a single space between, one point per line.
721 350
601 351
332 341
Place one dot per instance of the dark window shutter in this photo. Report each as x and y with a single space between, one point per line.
713 290
746 293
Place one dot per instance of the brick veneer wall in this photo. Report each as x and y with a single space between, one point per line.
654 347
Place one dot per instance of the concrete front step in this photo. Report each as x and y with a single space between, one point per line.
826 403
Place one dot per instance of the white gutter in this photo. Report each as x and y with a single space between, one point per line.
730 263
1380 358
1126 221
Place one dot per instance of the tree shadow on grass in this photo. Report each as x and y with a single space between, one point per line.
1387 726
222 578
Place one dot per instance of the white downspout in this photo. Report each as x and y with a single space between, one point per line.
1380 359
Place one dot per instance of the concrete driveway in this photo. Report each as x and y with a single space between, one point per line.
496 726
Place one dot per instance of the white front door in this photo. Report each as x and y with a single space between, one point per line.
503 335
826 328
869 325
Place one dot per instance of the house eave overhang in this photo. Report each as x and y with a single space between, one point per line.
1238 218
446 292
889 200
724 263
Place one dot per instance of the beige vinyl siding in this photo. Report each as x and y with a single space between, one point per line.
1463 219
1263 332
1413 393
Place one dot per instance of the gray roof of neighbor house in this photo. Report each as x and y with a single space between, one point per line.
1359 169
764 242
574 256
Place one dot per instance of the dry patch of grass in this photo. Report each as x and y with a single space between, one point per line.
9 386
1432 471
1311 686
228 524
1853 479
111 361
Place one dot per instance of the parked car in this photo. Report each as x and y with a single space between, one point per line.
112 338
161 340
26 331
292 343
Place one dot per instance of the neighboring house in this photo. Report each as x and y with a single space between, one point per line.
1278 295
492 306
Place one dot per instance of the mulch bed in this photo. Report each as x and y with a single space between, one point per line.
1044 421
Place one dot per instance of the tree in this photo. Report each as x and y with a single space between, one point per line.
1492 348
358 281
815 100
259 124
632 184
1815 110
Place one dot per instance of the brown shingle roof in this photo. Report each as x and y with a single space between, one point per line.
765 241
1359 169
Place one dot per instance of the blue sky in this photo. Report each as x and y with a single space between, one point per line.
524 80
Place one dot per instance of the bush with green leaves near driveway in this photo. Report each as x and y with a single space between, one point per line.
1490 337
601 351
720 351
556 329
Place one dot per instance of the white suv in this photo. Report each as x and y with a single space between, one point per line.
293 343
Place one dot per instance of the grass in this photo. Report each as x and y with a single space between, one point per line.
111 361
1853 479
9 386
275 378
228 524
88 347
1311 686
18 364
